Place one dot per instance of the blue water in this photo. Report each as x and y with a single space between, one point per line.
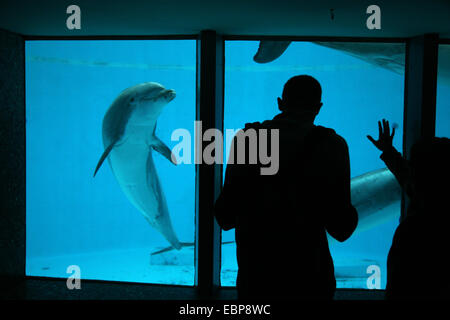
75 219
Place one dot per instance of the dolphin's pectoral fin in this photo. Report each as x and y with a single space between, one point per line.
159 146
103 157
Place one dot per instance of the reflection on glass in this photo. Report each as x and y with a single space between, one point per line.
361 83
108 225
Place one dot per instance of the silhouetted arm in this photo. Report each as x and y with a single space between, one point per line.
398 166
224 209
232 198
341 217
391 157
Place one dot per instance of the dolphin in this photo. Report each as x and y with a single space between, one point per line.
390 57
128 137
371 193
376 196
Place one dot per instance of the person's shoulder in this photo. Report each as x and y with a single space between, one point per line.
330 136
248 127
253 125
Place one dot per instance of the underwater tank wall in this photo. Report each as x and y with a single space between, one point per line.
73 218
356 94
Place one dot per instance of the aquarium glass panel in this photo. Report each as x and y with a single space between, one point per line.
443 92
361 83
109 226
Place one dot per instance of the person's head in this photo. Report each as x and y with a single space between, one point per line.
301 94
430 170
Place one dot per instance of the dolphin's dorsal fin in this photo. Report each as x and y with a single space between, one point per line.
160 146
103 157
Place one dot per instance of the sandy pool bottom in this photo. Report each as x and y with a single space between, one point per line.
175 268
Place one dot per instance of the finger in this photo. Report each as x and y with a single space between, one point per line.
380 130
371 139
387 129
393 132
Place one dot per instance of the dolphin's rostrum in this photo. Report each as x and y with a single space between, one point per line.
129 137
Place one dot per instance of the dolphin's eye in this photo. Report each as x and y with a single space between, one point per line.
132 99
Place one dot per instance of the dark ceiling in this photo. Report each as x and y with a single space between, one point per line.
401 18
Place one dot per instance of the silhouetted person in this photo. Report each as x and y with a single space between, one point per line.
417 261
281 220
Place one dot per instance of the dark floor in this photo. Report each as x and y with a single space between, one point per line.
56 289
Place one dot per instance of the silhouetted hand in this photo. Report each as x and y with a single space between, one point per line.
385 138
